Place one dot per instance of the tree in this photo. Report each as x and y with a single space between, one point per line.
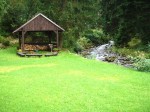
13 16
126 19
75 16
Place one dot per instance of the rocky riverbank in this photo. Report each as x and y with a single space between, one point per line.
104 53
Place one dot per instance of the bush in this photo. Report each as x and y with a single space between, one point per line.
143 65
96 36
131 52
78 48
145 47
6 43
1 39
122 51
81 44
69 41
134 42
84 42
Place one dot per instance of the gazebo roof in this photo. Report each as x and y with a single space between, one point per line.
39 23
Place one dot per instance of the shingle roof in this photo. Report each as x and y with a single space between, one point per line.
40 14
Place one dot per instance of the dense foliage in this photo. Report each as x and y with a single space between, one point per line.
122 20
126 19
73 15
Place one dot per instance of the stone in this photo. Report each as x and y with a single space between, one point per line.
110 58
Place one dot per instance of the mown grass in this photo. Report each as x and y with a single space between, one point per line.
70 83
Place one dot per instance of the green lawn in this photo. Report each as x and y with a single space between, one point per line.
70 83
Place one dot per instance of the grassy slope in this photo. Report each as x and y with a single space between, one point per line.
69 83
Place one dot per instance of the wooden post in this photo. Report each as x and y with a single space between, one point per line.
19 40
60 40
50 38
57 39
22 40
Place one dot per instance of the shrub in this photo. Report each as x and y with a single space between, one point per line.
69 41
131 52
122 51
134 42
81 44
143 65
84 42
56 49
78 48
1 39
6 43
147 47
96 36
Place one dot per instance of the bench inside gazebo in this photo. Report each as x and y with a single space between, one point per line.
49 35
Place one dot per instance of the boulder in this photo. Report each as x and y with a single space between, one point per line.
110 58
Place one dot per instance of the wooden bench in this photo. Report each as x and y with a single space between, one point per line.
21 54
29 55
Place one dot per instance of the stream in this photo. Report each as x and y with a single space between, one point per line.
104 53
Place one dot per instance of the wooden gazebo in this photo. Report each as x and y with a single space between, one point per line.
39 23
